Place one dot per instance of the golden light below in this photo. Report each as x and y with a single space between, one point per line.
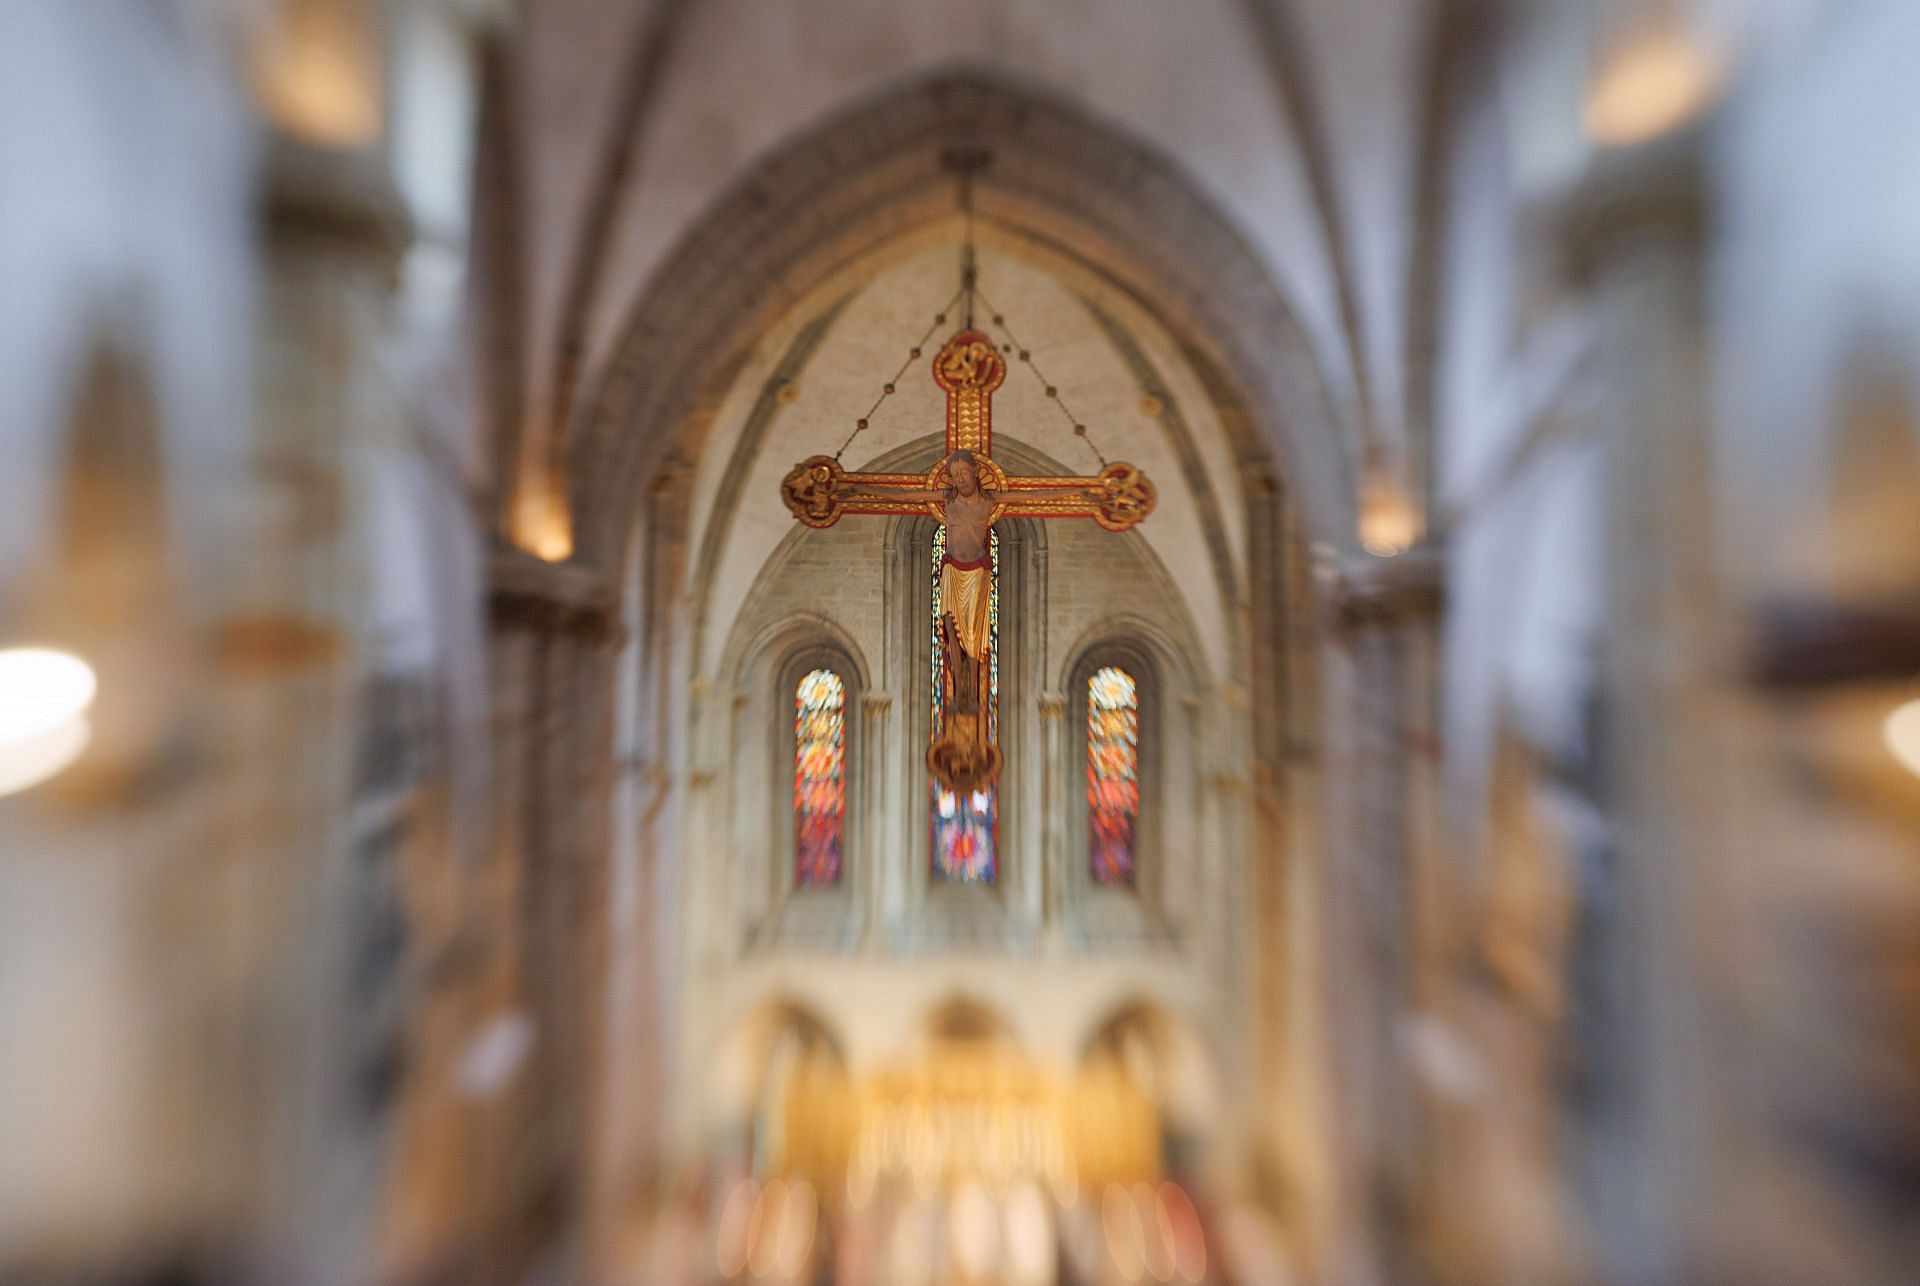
974 1226
1650 85
1126 1236
44 697
1029 1251
1902 734
767 1231
736 1219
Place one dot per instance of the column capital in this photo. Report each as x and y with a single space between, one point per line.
1053 705
1659 189
1368 590
343 197
524 593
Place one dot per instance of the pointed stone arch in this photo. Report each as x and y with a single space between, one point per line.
1071 190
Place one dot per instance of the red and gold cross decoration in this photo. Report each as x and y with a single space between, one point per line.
962 754
969 368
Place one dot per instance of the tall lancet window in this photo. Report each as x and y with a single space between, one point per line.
966 828
1113 774
819 779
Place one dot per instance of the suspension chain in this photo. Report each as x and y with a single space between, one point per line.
913 355
1013 346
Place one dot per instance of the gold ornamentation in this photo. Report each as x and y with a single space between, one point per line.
961 758
812 491
1126 496
969 362
969 368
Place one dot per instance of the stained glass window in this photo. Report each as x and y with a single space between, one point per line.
819 779
966 829
1113 774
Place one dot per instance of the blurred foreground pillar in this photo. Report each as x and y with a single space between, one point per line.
1660 1123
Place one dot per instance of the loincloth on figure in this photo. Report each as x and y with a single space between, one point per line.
966 592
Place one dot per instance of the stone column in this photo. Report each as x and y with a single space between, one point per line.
556 629
876 834
1659 1124
1381 609
1056 796
342 755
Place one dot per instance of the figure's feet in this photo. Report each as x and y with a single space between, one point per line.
963 764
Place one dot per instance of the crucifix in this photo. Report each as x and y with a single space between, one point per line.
968 492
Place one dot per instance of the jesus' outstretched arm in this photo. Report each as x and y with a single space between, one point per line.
1079 493
885 492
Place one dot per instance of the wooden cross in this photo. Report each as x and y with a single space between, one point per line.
968 368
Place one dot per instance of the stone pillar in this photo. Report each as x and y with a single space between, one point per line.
1660 1124
876 836
1056 797
555 630
1381 608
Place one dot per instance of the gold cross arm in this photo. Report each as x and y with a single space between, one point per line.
969 368
819 493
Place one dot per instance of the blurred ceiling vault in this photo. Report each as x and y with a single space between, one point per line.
457 827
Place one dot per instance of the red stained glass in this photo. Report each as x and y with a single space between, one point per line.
819 779
1113 774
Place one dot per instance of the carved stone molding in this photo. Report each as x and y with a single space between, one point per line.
552 598
1808 645
1373 591
346 199
1659 189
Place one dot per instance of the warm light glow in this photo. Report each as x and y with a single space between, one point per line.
763 1230
974 1229
41 689
800 1218
1189 1241
319 80
1157 1229
860 1175
971 1112
1063 1177
542 526
1029 1236
1652 83
1126 1239
1388 523
910 1247
28 763
735 1223
44 697
1902 733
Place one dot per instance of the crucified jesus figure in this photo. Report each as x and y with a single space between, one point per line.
968 368
964 755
